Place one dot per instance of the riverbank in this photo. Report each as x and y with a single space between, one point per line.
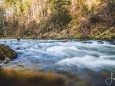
95 20
37 78
29 78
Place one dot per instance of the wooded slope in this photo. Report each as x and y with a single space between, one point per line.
91 19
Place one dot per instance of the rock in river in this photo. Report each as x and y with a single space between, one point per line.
6 53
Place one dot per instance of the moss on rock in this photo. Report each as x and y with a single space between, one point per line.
6 51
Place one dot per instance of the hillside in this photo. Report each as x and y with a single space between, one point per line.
58 19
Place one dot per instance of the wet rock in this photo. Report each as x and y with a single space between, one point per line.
89 42
100 42
6 60
111 42
6 53
18 39
18 48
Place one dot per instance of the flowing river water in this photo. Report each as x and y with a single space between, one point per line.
91 60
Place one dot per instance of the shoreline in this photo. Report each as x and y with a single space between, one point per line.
58 38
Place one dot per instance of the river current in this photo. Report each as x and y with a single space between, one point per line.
72 56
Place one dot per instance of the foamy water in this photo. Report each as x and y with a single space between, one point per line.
62 55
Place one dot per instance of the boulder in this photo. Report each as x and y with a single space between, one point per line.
6 53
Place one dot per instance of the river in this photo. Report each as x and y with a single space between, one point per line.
92 60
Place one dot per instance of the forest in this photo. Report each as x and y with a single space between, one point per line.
57 19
